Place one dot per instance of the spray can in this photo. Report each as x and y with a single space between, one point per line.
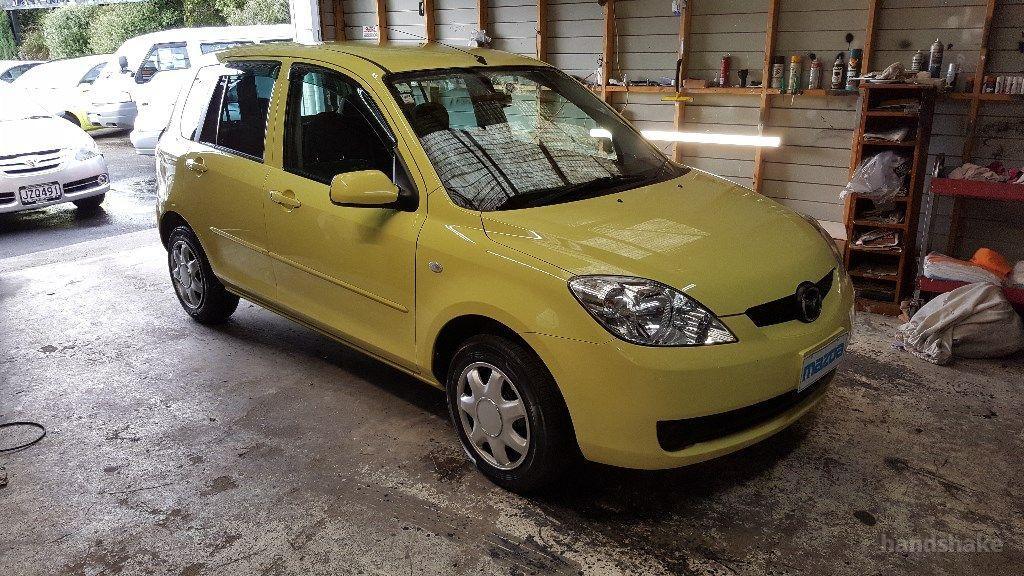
837 73
814 81
935 60
723 70
796 70
917 62
777 73
853 69
951 76
1000 82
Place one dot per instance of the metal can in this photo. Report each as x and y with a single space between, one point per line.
795 72
814 80
917 62
723 71
990 85
1000 83
853 69
951 75
778 71
935 59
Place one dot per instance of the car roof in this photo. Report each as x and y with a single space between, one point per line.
392 56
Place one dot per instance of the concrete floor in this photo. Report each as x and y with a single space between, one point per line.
262 448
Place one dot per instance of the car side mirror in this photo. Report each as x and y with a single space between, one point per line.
123 61
363 189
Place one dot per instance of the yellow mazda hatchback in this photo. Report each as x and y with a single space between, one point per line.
486 224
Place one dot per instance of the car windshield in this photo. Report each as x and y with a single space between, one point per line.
14 105
505 138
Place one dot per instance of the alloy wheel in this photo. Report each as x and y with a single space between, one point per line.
187 272
493 415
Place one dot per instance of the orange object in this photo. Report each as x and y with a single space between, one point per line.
992 261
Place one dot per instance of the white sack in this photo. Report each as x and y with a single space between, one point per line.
974 321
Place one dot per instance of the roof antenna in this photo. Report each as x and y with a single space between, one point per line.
478 57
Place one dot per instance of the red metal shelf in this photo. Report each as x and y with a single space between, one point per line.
1013 294
978 189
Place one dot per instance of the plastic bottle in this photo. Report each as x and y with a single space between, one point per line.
837 73
935 60
814 81
853 69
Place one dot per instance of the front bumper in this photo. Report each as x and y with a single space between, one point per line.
113 115
79 179
618 393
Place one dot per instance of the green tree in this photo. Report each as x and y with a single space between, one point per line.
201 13
114 23
252 12
8 49
66 31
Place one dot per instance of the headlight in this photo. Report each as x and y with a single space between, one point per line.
828 239
86 152
649 313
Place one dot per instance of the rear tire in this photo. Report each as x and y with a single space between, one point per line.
514 403
199 292
91 203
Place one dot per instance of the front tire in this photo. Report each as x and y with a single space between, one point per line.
200 292
509 414
91 203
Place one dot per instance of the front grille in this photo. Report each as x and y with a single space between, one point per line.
83 184
6 197
786 308
675 435
31 162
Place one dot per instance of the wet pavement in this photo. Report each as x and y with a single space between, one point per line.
260 447
129 206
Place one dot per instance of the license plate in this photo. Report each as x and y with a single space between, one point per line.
820 363
40 193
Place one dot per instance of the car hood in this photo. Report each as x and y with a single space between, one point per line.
726 246
38 134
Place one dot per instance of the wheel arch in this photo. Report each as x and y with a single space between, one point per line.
169 221
460 328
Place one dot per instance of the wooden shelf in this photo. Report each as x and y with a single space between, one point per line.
897 252
886 225
878 277
999 191
891 114
984 97
880 142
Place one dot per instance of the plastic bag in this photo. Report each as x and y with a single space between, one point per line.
879 178
973 321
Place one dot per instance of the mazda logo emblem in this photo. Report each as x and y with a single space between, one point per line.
808 298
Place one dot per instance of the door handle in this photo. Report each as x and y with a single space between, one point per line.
286 199
196 165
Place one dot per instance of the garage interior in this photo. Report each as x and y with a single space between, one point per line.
262 447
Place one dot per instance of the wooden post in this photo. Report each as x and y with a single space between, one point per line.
765 105
481 14
542 30
956 211
608 53
684 66
339 20
869 38
382 21
428 20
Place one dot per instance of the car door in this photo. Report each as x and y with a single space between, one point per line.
350 270
224 170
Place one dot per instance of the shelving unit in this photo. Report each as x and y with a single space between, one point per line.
884 276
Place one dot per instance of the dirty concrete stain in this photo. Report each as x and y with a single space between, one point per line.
218 485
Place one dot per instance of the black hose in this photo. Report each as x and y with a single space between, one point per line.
27 444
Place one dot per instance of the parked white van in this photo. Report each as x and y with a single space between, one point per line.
124 81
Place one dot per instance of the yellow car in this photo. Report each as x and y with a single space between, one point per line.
486 224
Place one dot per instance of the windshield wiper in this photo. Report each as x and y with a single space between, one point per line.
564 193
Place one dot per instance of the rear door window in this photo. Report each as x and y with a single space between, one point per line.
207 47
93 73
235 117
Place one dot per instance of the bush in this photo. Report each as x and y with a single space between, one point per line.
33 47
114 23
201 13
252 12
8 50
66 31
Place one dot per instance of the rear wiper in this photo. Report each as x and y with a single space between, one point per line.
552 196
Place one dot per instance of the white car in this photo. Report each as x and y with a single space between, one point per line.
45 159
11 69
155 105
62 87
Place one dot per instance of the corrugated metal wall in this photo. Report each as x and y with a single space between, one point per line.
808 170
